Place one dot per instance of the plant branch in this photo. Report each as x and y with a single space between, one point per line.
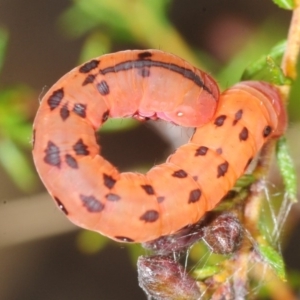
290 57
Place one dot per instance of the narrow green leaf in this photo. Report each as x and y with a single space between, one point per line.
276 74
267 67
285 4
266 38
113 19
95 45
245 181
15 114
158 5
206 271
74 22
3 45
287 169
16 165
273 259
20 133
111 15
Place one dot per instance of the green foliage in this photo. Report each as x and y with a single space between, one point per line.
273 259
287 169
16 165
139 22
15 129
95 45
245 65
285 4
113 15
267 67
206 271
3 45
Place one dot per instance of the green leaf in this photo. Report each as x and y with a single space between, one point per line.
273 259
265 37
96 44
128 21
285 4
267 67
20 133
15 115
3 45
287 169
206 271
245 181
16 165
276 74
84 16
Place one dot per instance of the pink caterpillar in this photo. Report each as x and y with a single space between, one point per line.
129 207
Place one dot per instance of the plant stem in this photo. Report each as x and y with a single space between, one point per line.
289 61
290 57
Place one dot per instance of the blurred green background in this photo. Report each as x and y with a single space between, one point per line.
43 256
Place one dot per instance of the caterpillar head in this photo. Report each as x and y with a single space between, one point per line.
195 111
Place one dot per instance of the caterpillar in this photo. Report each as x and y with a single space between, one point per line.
230 129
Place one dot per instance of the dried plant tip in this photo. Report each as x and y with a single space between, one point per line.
163 278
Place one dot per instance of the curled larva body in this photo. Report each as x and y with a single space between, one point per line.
131 207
